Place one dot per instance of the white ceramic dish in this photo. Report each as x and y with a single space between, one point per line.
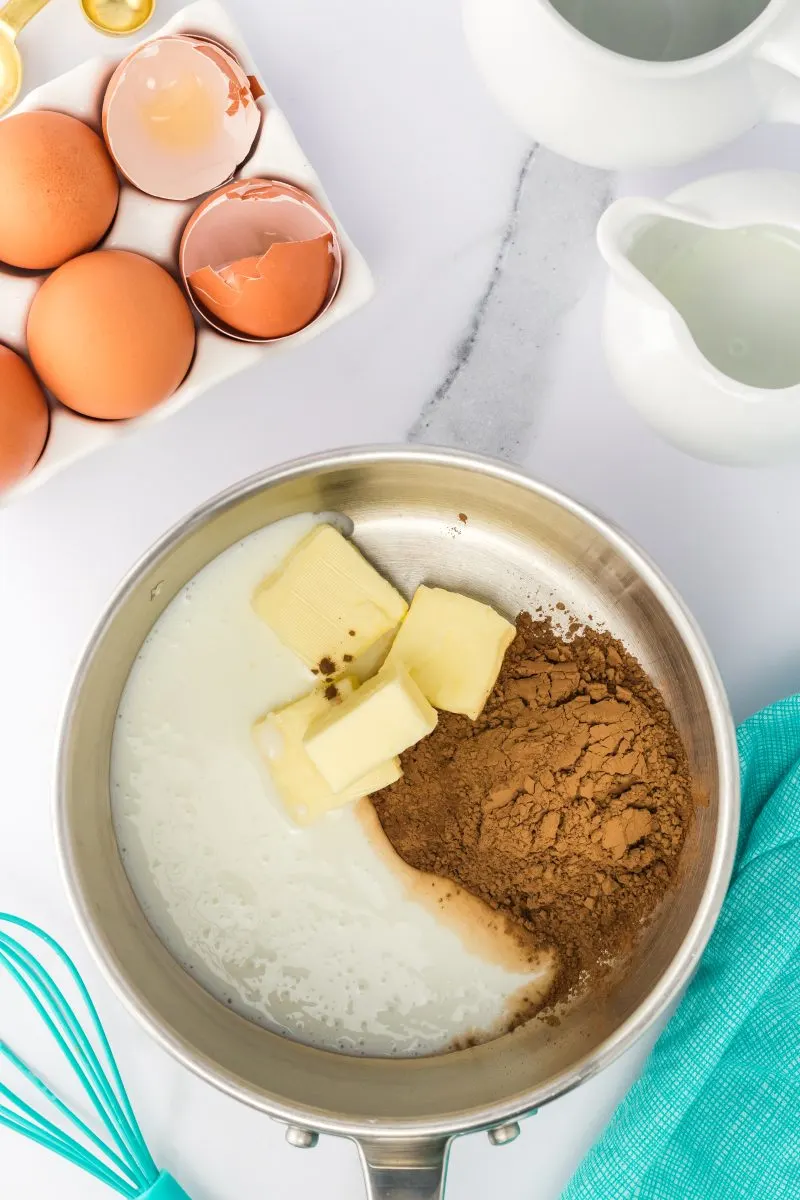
153 227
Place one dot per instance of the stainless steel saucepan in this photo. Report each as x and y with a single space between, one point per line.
521 542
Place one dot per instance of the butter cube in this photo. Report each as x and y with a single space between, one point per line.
453 648
378 721
327 603
305 794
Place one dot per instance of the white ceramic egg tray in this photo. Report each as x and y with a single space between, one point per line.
153 227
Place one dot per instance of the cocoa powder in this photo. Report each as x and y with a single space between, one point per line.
564 806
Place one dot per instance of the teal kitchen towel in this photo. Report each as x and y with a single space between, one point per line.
716 1114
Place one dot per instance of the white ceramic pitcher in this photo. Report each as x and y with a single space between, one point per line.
638 83
702 316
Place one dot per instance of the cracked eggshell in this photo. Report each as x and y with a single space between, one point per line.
261 260
272 296
180 115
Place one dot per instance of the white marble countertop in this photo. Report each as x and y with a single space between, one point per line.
484 333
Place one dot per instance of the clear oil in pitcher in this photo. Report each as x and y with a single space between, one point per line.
738 291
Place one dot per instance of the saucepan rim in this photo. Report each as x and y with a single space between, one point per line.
674 977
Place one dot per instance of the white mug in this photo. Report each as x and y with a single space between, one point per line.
624 84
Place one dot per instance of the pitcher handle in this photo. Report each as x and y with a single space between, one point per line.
780 51
405 1169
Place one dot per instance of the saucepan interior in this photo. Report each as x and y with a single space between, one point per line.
521 543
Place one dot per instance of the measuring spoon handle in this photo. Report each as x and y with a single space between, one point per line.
14 16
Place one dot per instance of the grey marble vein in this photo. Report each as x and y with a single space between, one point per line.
487 401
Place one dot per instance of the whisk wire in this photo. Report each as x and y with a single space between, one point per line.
119 1115
65 1148
54 1131
108 1097
17 954
37 1124
26 971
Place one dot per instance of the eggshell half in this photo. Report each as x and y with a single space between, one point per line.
271 296
58 189
111 334
24 419
261 259
179 116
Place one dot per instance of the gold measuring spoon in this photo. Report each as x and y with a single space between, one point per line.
13 18
118 17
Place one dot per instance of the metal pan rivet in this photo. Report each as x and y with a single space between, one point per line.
503 1134
301 1139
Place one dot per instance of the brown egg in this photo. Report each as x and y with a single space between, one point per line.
58 189
24 419
271 296
111 334
261 259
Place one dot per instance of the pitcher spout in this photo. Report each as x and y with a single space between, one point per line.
622 237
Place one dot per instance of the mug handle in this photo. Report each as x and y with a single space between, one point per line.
780 52
405 1169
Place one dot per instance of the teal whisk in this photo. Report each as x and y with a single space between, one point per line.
114 1151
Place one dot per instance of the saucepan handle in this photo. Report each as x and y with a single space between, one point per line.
412 1169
